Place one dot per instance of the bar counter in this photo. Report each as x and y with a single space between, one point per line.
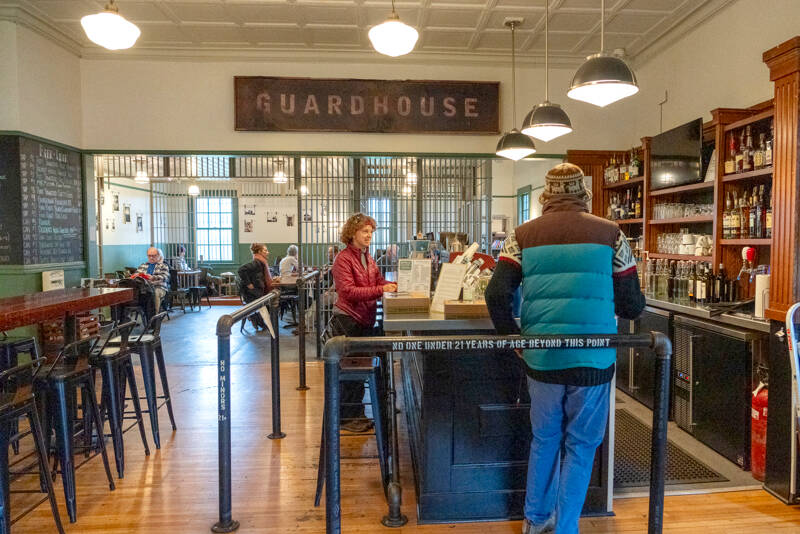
469 428
741 320
25 310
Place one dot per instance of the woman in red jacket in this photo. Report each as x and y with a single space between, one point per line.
359 284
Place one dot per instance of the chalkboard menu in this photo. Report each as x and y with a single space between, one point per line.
41 203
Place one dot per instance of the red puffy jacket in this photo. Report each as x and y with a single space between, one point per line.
358 289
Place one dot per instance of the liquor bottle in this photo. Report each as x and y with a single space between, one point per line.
719 285
726 219
711 283
762 213
691 280
744 217
613 207
747 153
753 210
700 288
623 169
758 157
733 231
730 161
635 166
637 207
740 154
768 217
768 146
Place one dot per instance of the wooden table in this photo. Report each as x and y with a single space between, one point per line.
26 310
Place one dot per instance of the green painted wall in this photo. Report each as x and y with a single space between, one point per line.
116 257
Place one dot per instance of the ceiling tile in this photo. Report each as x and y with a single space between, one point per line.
164 33
654 5
335 36
497 41
141 12
461 18
58 10
281 36
632 23
498 18
558 41
528 4
613 41
330 15
442 39
574 22
580 4
197 12
225 34
376 15
263 12
457 3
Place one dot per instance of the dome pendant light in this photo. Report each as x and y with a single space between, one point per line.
603 79
392 37
514 145
194 190
547 120
109 29
280 176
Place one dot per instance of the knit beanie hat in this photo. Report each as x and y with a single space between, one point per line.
563 181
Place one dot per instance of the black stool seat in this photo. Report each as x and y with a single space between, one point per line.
360 369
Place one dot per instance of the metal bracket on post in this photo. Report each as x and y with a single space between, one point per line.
275 363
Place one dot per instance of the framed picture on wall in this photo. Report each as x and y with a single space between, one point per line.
102 198
290 220
248 225
249 209
126 213
139 226
115 205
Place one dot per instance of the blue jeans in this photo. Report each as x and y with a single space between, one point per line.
575 417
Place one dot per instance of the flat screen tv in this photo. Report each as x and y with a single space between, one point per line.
676 156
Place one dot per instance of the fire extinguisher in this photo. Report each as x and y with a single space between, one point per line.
758 432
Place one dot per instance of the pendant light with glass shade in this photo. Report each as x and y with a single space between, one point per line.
603 79
194 190
280 176
547 120
392 37
109 29
514 145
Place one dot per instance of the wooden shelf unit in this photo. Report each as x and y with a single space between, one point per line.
624 183
690 257
682 220
766 114
682 189
630 221
765 172
754 242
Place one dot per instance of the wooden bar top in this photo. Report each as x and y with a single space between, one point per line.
48 305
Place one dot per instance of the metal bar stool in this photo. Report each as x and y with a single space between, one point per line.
116 368
69 373
10 350
360 369
17 400
148 346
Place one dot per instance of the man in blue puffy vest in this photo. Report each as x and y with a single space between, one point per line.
577 272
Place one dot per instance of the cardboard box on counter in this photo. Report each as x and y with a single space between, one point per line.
456 309
406 302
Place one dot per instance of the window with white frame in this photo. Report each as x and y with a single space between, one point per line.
214 228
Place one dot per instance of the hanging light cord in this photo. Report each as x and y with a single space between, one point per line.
602 25
546 51
513 78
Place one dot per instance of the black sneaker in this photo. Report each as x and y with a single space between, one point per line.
357 426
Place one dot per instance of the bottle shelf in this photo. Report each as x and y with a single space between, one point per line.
750 120
683 220
682 189
754 241
746 175
630 221
624 183
690 257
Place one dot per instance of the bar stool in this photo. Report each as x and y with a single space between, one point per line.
69 373
17 400
10 350
360 369
148 346
116 369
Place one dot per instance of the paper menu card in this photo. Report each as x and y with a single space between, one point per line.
414 276
449 285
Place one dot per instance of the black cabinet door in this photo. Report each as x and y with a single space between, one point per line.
721 396
624 326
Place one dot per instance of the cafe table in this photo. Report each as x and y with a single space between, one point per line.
58 304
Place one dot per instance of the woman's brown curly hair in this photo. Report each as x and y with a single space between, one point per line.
353 225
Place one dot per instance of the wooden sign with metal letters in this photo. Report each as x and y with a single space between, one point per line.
380 106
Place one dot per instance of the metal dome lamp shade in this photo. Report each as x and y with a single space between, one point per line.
547 120
603 79
514 145
109 29
392 37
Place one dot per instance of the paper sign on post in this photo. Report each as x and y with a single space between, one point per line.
265 315
449 285
414 276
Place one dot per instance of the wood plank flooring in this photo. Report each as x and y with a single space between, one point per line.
175 489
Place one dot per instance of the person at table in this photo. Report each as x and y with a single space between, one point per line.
179 262
289 265
255 280
388 261
577 272
158 274
359 285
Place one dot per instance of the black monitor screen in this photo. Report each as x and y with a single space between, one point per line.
675 156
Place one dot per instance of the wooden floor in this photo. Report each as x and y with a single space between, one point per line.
175 489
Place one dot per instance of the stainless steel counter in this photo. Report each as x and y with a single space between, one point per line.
733 319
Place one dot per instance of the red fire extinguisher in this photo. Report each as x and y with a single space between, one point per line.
758 432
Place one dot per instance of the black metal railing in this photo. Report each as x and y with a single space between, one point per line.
302 286
339 347
226 522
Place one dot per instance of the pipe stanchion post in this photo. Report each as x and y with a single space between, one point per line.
333 510
275 363
394 493
663 348
226 522
301 331
318 312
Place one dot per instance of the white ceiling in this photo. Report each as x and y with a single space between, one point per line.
447 27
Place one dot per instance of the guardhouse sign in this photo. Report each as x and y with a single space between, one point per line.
380 106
